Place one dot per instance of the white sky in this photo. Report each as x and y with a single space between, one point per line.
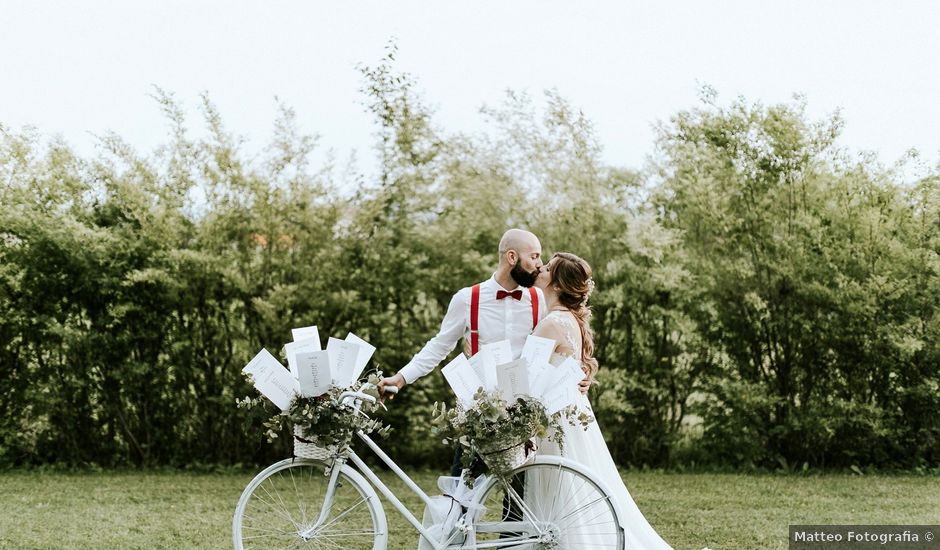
82 68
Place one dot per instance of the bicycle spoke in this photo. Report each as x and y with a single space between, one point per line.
513 495
344 513
590 521
300 500
321 543
280 499
556 491
581 509
278 511
261 536
575 495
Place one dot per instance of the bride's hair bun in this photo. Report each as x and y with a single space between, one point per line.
571 275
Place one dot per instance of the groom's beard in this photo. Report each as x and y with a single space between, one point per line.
523 277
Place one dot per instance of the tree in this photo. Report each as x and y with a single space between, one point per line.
804 267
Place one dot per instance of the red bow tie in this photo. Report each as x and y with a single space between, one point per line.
515 294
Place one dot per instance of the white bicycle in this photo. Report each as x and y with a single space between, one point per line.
548 502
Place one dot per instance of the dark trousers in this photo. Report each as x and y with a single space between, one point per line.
456 467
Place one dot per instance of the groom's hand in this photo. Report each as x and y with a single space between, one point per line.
397 382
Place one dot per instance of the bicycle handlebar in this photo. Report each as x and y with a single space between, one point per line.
353 395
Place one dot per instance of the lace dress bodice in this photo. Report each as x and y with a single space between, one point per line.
570 344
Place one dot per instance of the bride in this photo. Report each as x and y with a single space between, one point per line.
567 284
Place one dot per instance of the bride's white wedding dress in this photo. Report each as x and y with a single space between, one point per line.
589 448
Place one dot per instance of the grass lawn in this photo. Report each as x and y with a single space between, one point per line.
183 510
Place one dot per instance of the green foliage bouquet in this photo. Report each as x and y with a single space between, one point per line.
501 432
324 420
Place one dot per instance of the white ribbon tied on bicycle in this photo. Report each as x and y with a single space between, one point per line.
453 508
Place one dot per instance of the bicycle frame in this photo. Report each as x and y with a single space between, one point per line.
447 539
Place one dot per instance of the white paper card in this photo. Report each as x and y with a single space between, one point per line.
362 358
485 368
562 385
539 377
299 346
573 372
305 333
512 379
501 351
462 379
538 350
342 361
271 379
559 397
314 372
565 374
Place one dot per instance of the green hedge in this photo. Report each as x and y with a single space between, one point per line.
764 298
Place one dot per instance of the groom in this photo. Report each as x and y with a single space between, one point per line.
507 306
504 307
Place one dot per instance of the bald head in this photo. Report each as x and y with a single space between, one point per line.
523 243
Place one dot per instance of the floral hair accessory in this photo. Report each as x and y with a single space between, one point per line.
590 289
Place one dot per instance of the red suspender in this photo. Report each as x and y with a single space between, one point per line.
535 306
474 320
475 316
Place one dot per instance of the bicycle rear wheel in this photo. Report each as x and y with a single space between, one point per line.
552 502
281 506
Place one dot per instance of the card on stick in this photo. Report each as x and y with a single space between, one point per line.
305 333
574 374
271 379
538 350
501 351
539 377
557 398
512 379
342 361
291 349
462 379
362 358
314 372
485 368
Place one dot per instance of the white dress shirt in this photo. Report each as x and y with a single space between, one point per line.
506 319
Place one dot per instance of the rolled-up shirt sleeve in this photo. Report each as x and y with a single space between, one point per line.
437 348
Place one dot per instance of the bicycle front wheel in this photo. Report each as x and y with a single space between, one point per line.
281 508
550 502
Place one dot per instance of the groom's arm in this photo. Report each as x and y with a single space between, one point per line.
437 348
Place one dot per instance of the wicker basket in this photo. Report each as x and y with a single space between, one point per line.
503 456
309 448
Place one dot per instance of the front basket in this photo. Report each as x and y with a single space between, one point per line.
503 457
310 448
